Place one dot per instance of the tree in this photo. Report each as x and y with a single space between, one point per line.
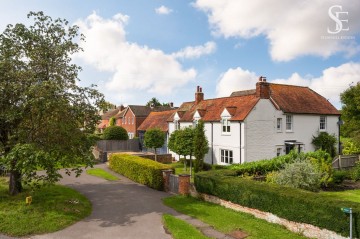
106 106
201 146
326 142
185 142
112 121
154 138
115 133
350 99
153 102
45 115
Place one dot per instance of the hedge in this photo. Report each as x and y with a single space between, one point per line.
289 203
265 166
141 170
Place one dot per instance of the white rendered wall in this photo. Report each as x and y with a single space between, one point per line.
262 138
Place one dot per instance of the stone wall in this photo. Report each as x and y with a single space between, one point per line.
301 228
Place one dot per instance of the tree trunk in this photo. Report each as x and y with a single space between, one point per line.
15 186
155 155
190 166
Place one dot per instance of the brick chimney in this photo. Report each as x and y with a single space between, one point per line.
171 104
199 95
263 88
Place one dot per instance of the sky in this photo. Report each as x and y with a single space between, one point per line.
136 50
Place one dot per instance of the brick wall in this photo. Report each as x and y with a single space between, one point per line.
161 158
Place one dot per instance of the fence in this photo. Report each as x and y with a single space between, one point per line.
132 145
345 161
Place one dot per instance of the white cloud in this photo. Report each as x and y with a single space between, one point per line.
134 68
330 84
293 28
235 80
196 51
162 10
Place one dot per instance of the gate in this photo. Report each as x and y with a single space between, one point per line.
174 183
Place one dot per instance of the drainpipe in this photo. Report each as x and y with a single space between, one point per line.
212 143
240 141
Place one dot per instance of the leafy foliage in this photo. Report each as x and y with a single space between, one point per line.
289 203
112 121
201 146
355 172
115 133
154 138
141 170
299 174
325 141
350 99
350 146
153 102
45 114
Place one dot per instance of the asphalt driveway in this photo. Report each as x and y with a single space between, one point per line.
121 209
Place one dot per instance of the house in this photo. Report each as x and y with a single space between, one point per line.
156 120
134 115
258 124
105 118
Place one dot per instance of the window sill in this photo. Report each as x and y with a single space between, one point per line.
225 134
289 131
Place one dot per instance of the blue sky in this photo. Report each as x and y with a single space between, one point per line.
136 50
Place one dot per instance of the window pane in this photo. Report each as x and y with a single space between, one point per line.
228 128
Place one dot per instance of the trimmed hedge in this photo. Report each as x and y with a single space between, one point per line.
289 203
141 170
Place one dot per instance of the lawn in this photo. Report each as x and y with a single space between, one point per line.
351 195
227 220
53 208
101 173
180 229
179 169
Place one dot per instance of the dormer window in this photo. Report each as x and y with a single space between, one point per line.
225 125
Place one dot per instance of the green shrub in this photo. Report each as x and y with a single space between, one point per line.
141 170
350 147
355 172
289 203
115 133
264 166
325 141
339 176
299 174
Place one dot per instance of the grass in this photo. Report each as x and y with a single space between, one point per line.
350 195
179 169
227 220
180 229
53 208
101 173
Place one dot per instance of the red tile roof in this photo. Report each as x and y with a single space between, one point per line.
211 109
157 120
288 98
300 100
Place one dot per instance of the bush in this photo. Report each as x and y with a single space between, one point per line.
266 165
325 141
355 172
289 203
299 174
115 133
141 170
339 176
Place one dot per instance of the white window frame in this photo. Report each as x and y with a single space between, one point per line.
323 123
279 124
225 122
177 124
289 122
278 151
226 156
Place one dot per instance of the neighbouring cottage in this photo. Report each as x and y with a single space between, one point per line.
258 124
156 120
130 117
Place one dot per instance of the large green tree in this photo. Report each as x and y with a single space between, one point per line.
350 99
45 115
154 138
201 146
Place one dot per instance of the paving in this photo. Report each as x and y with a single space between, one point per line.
121 209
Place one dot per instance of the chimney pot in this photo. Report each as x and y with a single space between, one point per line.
171 104
199 96
263 88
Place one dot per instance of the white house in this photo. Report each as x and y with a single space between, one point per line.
258 124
